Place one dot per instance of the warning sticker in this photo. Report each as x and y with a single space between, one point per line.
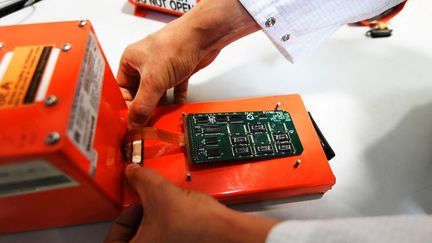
182 6
21 74
31 177
83 118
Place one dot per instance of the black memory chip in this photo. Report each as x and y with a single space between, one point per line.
239 140
202 119
212 130
213 152
236 118
264 149
285 148
221 118
211 140
257 127
242 150
281 137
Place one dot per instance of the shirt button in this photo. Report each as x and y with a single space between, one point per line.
285 37
270 22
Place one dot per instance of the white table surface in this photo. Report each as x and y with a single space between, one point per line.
372 98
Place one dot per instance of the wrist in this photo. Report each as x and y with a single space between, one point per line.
216 23
233 226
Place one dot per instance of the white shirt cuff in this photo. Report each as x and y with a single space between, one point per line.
297 26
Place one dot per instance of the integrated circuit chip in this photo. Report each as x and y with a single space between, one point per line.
281 137
284 147
202 119
258 127
221 118
240 136
264 149
242 150
239 140
236 118
211 140
213 152
212 130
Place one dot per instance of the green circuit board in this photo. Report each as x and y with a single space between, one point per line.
234 136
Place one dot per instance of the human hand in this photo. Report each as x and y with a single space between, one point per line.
168 58
171 214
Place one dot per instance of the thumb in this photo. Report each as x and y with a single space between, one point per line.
150 186
125 226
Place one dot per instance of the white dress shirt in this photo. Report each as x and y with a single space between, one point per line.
297 26
394 229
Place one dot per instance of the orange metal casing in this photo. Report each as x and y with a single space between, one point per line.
242 182
23 132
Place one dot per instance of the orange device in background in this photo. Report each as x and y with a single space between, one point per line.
176 7
62 121
378 24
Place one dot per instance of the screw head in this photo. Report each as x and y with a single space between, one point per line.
270 22
82 23
1 45
52 138
188 176
66 47
297 163
51 100
278 106
286 37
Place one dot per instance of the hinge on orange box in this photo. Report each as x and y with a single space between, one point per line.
133 141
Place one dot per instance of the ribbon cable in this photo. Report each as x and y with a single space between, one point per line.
133 141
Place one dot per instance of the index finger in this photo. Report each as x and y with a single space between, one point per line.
150 90
128 78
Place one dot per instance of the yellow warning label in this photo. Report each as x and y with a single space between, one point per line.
23 75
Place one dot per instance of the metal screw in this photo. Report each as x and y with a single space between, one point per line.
297 163
1 45
183 114
52 138
188 176
278 105
66 47
51 100
82 23
270 22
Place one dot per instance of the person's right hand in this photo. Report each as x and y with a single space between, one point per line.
167 58
170 214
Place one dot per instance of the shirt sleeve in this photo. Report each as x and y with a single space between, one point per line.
297 26
395 229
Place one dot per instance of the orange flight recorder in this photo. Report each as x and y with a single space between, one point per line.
62 121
